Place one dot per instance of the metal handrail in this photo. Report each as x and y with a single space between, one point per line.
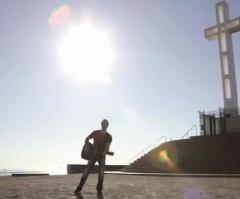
151 145
157 143
187 133
141 152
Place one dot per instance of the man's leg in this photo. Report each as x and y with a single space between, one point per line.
85 175
101 163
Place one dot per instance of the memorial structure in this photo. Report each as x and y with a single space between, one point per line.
227 119
217 149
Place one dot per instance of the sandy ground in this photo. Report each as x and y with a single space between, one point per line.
116 186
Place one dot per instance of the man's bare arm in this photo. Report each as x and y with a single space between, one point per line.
107 148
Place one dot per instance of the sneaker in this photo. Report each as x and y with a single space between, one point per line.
79 195
77 190
99 194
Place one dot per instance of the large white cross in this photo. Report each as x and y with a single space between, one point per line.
223 31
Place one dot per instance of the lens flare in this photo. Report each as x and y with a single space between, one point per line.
196 193
60 16
164 158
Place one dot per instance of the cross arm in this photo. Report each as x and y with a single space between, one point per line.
211 33
233 25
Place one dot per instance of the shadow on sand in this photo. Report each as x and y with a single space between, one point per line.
80 196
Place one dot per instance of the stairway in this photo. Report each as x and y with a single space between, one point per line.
198 154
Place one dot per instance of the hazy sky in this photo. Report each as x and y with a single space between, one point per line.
165 72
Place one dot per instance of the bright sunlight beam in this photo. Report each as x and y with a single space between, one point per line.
86 54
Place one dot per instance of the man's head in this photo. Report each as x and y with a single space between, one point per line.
104 124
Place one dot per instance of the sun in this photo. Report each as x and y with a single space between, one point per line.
86 53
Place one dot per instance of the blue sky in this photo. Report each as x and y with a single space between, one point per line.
165 73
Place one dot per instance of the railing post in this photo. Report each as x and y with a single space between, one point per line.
196 129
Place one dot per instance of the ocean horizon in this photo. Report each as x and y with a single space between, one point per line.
6 172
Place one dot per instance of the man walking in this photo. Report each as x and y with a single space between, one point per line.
102 140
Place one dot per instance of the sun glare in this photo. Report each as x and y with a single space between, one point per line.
86 54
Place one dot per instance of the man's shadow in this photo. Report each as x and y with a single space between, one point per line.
80 196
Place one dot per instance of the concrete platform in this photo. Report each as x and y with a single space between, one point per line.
173 174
